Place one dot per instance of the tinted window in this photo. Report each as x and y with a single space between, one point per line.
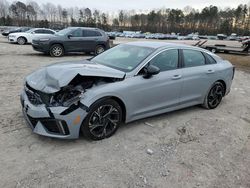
39 31
77 33
167 60
193 58
210 59
90 33
48 32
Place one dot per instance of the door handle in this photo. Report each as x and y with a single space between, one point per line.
176 77
210 71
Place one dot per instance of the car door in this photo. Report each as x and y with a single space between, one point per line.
90 40
159 92
198 76
73 42
42 33
35 33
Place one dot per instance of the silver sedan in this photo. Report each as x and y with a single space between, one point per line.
126 83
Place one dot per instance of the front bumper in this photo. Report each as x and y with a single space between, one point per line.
12 39
49 121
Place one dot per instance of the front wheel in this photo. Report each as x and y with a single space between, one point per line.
214 96
21 41
103 120
56 50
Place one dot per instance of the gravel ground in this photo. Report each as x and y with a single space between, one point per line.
192 147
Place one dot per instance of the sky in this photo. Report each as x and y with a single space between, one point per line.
114 5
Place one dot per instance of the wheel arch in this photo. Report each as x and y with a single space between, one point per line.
54 43
224 85
119 101
25 38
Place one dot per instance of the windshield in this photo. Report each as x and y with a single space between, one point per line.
65 31
123 57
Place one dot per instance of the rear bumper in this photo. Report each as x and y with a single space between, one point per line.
40 47
49 121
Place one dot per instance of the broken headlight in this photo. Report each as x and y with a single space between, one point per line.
67 96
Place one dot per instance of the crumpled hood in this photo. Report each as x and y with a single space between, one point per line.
50 79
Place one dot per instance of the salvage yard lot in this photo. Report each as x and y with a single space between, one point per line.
193 147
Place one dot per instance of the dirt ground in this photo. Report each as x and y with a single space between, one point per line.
191 148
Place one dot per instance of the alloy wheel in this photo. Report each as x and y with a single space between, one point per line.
57 51
103 121
21 41
215 95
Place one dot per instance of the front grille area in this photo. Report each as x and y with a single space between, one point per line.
33 121
56 126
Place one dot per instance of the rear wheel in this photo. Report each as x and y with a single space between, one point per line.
214 96
99 49
56 50
21 40
102 120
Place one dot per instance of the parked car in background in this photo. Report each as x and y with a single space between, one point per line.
221 36
128 82
15 30
73 39
111 35
27 37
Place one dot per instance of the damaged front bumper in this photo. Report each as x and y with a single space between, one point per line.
56 122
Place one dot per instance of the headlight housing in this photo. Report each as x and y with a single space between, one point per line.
67 96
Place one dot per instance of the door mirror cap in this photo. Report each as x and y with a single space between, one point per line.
70 35
150 71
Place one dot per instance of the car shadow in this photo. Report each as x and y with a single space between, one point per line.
66 55
172 114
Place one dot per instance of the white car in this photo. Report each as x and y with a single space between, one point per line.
27 37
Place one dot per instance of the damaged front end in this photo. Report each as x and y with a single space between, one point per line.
51 103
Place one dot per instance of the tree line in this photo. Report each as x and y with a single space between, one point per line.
209 20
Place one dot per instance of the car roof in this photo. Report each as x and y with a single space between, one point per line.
90 28
156 45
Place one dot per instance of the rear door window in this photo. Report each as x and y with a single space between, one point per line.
39 31
77 33
193 58
91 33
48 32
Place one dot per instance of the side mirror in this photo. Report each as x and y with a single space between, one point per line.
150 71
70 35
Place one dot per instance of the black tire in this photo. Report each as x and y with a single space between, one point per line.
21 40
103 119
214 96
99 49
56 50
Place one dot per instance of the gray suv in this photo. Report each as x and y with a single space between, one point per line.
73 39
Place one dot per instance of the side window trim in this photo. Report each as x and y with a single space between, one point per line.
148 61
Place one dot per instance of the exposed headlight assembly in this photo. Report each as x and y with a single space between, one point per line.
67 96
